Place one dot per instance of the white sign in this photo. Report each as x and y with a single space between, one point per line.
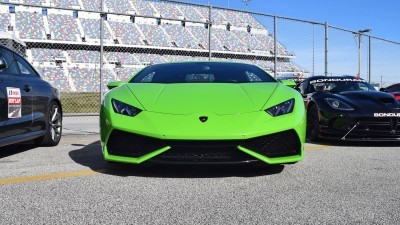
14 102
386 114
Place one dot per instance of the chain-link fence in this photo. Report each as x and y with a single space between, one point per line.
79 46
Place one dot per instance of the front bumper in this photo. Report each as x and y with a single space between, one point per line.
353 127
222 139
276 148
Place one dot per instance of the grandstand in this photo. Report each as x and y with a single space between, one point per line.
64 45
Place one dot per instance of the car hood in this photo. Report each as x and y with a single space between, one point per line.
375 96
218 98
369 101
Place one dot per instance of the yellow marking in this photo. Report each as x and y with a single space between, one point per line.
47 177
316 147
86 172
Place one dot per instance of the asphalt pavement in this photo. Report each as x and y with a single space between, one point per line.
336 183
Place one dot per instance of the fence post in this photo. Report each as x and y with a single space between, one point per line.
326 48
359 54
313 50
209 33
275 47
102 15
369 59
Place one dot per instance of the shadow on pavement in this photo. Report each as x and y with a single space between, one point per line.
92 157
14 149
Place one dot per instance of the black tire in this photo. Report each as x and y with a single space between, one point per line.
53 126
313 131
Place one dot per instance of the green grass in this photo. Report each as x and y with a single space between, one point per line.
80 102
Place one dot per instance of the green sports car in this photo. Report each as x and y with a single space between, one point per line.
202 112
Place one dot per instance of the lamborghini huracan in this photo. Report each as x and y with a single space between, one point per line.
202 112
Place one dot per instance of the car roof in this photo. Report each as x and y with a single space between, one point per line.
393 85
201 61
332 77
11 50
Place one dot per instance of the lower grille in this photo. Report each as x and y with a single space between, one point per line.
132 145
377 126
364 128
204 154
281 144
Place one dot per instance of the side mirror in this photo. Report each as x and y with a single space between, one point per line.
288 83
3 64
114 84
383 90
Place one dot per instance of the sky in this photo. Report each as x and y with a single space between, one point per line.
382 17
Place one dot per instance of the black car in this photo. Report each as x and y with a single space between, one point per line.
349 108
30 107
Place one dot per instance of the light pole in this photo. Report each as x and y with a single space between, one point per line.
246 2
360 32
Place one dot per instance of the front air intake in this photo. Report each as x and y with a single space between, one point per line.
281 144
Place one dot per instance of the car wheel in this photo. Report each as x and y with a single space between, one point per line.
312 124
53 127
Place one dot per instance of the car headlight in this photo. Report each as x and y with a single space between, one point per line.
338 104
282 108
124 109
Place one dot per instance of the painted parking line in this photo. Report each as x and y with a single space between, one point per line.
316 147
84 172
47 177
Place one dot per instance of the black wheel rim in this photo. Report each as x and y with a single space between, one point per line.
55 123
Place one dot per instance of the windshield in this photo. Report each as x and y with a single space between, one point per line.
202 72
340 85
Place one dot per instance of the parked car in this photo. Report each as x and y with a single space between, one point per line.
30 108
394 90
349 108
202 112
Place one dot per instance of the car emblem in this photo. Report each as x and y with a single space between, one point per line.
203 118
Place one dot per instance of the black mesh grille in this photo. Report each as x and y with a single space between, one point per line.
280 144
198 153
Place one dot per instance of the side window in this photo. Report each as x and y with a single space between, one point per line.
148 78
8 56
362 86
253 77
24 66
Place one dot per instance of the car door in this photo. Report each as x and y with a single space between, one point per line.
40 91
16 99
